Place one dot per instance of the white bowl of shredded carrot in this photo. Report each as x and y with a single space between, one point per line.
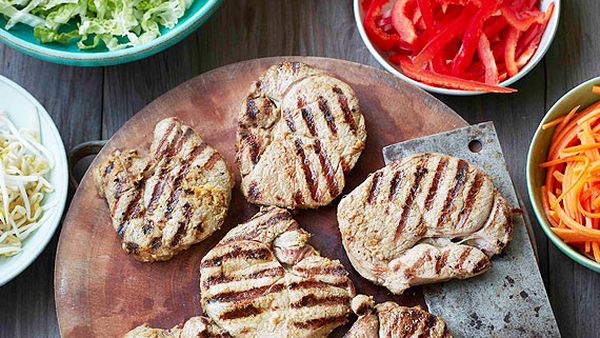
563 174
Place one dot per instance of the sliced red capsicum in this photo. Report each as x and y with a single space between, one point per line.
377 35
512 37
447 81
486 56
450 31
471 37
524 19
402 24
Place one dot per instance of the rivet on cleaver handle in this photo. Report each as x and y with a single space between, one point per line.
510 299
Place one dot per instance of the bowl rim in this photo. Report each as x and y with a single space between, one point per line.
105 58
534 191
61 184
537 57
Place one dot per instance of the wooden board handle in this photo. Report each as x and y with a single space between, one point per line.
80 151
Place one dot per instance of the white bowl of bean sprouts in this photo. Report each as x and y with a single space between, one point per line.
33 179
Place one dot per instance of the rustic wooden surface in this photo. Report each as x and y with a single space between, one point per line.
102 293
89 104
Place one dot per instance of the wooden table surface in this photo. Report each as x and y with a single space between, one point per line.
92 103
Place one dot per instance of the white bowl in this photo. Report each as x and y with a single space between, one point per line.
537 57
26 112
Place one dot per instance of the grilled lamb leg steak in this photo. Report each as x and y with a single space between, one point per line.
392 320
264 280
165 202
193 327
424 219
299 132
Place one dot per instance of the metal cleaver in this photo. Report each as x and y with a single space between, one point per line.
510 299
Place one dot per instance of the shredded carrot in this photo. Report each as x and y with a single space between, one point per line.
571 190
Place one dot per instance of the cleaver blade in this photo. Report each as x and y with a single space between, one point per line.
510 299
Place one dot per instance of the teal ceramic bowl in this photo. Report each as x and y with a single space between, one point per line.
538 152
21 38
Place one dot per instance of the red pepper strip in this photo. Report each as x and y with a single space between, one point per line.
512 37
447 33
378 36
427 13
530 41
487 58
364 4
503 76
494 27
471 38
446 81
523 20
402 24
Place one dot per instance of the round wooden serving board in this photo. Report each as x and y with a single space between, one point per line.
101 291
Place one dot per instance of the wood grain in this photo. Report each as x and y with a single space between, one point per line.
242 30
102 292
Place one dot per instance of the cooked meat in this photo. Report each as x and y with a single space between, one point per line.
299 132
194 327
264 280
392 320
424 219
163 203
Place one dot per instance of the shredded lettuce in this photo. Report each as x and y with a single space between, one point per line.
24 162
116 24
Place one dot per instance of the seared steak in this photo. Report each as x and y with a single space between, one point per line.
264 280
163 203
424 219
392 320
193 327
299 132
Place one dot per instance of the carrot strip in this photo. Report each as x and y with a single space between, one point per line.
596 89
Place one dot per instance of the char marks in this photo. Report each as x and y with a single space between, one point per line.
410 199
311 300
439 172
324 107
309 175
470 201
343 101
309 119
326 169
462 171
320 322
289 120
255 254
395 184
374 189
244 295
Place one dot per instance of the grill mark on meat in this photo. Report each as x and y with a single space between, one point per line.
460 179
324 107
463 257
439 172
251 109
298 198
308 284
337 271
480 266
212 160
410 271
300 101
343 101
252 142
311 300
177 144
221 279
132 211
282 216
410 322
241 295
412 194
108 169
256 254
176 190
441 262
289 120
161 143
374 189
181 225
241 312
309 120
253 191
326 169
430 325
320 322
155 243
396 184
471 195
309 175
148 227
